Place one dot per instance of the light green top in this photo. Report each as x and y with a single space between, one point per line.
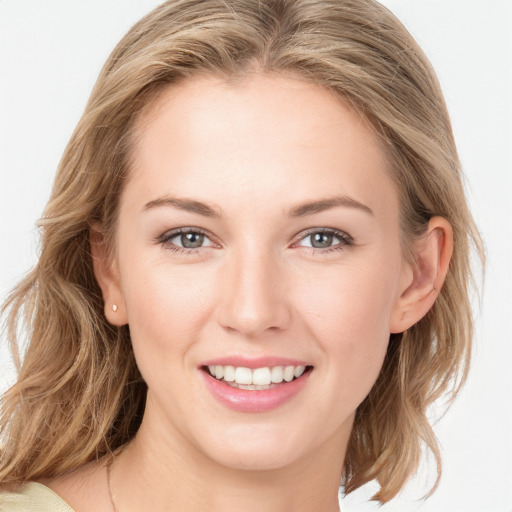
32 497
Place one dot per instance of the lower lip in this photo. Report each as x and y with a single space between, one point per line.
245 400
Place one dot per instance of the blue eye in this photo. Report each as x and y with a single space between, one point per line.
191 240
319 240
185 240
325 240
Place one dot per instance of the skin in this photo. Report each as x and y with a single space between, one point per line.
253 150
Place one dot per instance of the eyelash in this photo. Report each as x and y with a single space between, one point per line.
345 240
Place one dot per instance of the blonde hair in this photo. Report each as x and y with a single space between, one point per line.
79 394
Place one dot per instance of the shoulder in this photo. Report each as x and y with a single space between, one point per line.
32 497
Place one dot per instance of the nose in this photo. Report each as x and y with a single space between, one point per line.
253 297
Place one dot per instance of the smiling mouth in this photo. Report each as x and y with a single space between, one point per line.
257 379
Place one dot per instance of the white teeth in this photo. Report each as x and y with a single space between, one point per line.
229 373
259 378
288 373
299 370
277 374
252 387
219 371
243 375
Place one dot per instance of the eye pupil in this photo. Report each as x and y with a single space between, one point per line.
192 240
321 240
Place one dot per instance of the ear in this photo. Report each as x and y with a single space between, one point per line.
107 276
424 277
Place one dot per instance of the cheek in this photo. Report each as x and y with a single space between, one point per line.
167 308
350 303
349 317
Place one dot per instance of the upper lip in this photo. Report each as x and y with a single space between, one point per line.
255 362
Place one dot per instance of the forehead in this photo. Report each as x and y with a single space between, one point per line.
217 140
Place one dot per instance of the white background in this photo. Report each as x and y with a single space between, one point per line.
50 55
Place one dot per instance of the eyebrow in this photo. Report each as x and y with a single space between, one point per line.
301 210
325 204
189 205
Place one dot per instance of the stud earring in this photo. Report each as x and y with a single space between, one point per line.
114 307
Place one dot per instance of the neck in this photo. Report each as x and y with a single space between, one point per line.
173 475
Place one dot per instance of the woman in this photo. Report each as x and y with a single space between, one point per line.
254 269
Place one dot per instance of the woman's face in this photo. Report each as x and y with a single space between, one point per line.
259 230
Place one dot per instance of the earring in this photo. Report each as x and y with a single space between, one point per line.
114 307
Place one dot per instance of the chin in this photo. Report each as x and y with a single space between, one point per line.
257 448
255 459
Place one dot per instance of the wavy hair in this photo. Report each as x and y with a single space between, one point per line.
79 394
